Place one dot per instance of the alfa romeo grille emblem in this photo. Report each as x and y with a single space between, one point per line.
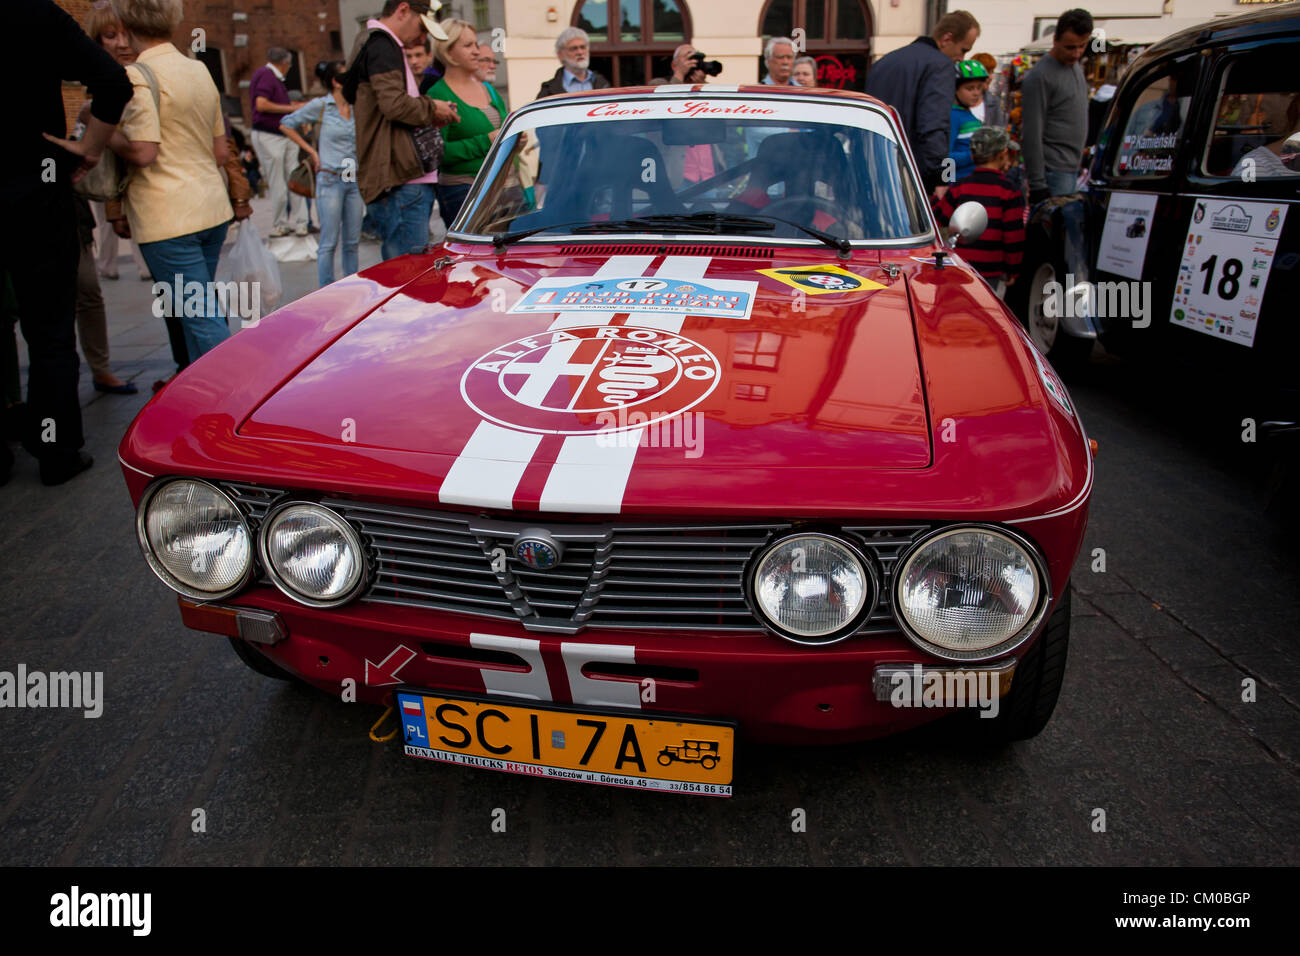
537 549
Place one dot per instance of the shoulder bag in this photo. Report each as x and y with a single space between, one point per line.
428 146
108 180
303 178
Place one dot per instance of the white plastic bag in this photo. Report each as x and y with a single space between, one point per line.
256 274
293 248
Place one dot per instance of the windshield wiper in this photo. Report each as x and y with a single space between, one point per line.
718 220
842 245
635 224
702 222
501 239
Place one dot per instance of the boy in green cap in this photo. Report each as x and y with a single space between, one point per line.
972 79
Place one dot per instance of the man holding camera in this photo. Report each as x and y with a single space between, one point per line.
686 67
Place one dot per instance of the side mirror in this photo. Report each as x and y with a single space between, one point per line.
968 222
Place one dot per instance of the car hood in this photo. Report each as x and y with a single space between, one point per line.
635 379
769 375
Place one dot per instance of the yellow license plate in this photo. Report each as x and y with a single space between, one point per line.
608 748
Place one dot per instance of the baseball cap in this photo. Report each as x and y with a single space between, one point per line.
426 12
990 140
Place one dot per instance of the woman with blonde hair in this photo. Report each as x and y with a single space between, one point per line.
102 25
480 109
176 203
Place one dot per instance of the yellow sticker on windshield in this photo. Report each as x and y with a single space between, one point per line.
819 279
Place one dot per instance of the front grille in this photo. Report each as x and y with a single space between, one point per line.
612 575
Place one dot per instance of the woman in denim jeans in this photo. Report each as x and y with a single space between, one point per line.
176 202
337 194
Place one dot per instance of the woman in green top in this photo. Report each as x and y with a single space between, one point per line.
481 114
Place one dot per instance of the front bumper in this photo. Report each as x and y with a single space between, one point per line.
777 692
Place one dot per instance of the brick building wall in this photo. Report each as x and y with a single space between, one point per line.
74 94
234 38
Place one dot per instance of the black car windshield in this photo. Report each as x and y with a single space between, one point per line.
713 165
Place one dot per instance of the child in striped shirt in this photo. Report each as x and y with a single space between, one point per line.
997 253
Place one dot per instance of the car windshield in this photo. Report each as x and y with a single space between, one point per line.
735 166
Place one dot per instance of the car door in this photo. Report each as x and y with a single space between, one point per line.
1136 207
1242 213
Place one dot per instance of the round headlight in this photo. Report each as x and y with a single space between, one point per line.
312 554
970 593
813 589
195 539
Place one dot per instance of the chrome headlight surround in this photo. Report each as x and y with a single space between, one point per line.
349 535
1026 631
870 579
156 564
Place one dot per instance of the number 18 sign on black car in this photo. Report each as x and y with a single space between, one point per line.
1226 260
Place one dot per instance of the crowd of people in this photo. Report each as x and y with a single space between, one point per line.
959 136
181 201
404 122
154 114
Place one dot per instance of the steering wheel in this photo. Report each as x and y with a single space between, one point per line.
786 209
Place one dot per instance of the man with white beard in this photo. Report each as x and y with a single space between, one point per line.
571 47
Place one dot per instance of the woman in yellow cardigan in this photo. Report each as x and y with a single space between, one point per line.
466 143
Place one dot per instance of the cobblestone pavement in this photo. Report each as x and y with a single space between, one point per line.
1199 592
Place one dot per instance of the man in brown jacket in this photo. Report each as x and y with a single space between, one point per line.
396 186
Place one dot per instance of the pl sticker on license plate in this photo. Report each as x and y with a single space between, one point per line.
607 748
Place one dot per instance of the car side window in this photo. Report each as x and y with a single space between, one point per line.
1155 124
1256 133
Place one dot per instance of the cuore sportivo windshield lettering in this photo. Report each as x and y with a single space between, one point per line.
688 108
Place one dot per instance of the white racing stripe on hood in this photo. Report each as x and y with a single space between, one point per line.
591 472
589 475
490 466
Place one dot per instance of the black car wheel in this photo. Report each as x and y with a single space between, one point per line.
1027 708
1028 299
259 661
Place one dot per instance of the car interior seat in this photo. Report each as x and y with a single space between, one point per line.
800 162
611 174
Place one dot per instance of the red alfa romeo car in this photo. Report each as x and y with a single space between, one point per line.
692 432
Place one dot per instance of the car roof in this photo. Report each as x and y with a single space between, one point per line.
709 89
1270 21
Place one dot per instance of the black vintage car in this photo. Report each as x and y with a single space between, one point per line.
1202 145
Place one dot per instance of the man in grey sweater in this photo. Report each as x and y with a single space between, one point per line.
1054 99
